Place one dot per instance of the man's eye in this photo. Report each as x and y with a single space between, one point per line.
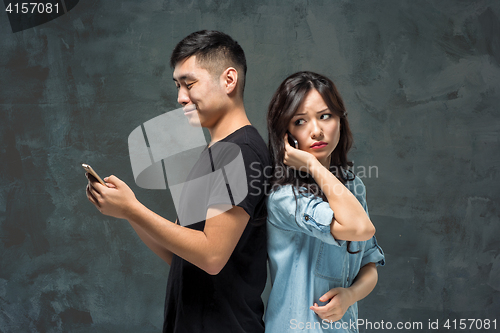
299 122
189 85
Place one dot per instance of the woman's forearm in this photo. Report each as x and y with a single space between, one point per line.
365 282
351 223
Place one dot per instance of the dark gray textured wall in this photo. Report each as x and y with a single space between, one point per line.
421 80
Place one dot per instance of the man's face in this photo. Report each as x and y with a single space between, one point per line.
196 86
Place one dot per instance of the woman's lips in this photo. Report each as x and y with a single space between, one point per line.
319 145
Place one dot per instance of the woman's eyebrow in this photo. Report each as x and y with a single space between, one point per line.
303 114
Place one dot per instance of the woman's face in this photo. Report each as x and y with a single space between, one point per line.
316 128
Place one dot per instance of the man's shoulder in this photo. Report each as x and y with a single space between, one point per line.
245 135
250 142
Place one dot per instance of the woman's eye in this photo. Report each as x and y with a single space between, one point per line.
326 116
299 122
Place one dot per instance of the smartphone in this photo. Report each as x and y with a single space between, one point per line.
91 171
292 141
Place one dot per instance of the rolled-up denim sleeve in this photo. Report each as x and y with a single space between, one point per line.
373 253
304 213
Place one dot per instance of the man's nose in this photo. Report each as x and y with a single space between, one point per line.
182 97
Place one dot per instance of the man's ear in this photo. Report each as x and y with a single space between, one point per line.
230 80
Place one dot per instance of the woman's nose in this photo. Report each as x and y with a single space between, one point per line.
316 131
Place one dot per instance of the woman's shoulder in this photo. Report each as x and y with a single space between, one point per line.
280 197
279 192
288 197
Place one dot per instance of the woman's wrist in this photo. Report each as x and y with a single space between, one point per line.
351 296
314 167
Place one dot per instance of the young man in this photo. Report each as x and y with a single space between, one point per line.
218 266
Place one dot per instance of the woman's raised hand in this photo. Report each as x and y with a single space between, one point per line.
298 159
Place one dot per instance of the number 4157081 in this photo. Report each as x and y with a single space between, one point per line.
33 8
471 324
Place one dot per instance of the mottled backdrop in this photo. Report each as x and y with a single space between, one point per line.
421 80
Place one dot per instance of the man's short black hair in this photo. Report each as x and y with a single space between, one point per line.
214 50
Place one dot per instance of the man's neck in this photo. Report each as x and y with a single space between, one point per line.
232 120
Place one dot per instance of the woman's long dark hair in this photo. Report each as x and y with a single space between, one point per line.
284 103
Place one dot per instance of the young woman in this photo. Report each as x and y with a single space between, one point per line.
321 244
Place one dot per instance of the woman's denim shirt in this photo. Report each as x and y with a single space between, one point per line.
306 261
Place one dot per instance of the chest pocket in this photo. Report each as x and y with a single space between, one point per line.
331 263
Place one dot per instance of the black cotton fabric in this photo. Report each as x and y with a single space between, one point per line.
231 300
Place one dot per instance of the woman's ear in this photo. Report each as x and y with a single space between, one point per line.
230 80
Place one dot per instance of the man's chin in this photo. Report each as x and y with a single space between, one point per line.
192 116
194 120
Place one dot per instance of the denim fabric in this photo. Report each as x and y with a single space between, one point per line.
306 261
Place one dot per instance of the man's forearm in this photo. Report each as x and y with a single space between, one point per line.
208 249
159 250
161 235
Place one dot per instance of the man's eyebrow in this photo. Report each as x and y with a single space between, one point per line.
187 76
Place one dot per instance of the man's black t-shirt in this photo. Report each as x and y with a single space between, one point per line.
231 300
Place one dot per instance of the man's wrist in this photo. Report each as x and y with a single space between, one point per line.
132 210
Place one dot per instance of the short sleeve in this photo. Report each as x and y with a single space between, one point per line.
373 253
256 181
302 212
237 176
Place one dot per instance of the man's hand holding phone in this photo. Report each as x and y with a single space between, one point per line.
114 198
